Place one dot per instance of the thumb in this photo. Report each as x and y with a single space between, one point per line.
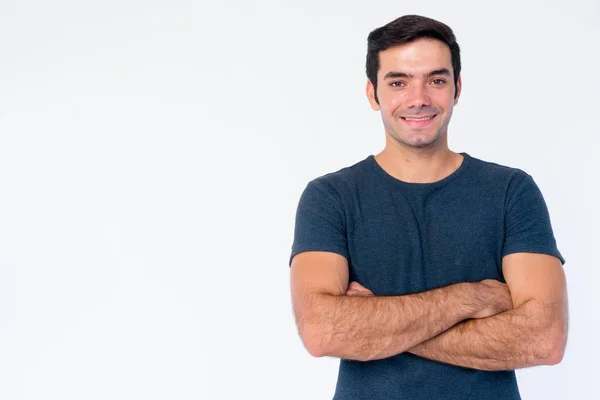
357 287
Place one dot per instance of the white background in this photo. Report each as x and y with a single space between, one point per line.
152 155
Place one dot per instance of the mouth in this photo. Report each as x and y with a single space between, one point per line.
419 121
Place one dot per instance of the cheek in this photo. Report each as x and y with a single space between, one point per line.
390 104
444 99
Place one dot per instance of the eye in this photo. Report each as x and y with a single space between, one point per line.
438 81
397 84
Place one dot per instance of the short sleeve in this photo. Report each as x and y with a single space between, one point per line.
320 220
527 222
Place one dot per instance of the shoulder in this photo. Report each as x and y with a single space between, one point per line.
498 174
342 182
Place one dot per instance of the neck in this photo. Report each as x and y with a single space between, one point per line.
419 165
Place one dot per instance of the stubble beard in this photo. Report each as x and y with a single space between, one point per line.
418 142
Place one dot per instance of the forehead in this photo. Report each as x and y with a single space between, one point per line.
416 57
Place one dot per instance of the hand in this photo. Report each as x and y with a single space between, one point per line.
356 289
495 298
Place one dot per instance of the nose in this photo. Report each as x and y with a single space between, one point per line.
418 96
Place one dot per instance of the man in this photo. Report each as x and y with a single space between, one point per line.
455 277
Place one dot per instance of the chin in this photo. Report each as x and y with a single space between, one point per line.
422 145
420 142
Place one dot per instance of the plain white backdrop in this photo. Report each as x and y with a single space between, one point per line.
152 155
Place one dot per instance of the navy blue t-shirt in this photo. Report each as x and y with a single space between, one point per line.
401 238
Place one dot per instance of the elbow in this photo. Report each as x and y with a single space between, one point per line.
309 328
555 358
316 343
312 339
555 346
318 347
556 353
316 335
314 348
550 337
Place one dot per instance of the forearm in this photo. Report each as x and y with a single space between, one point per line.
518 338
370 328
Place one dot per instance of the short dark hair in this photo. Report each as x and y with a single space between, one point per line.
406 29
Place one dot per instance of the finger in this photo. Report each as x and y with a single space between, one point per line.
358 293
356 286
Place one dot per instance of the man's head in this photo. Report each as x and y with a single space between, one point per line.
413 66
406 29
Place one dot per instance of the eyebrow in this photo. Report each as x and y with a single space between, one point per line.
399 74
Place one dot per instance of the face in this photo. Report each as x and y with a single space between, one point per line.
416 92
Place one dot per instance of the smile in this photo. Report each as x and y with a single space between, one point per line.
419 122
418 119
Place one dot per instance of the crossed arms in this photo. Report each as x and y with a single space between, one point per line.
484 325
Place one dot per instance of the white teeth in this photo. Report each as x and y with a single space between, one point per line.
418 119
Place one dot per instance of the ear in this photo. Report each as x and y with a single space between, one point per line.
371 95
458 89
